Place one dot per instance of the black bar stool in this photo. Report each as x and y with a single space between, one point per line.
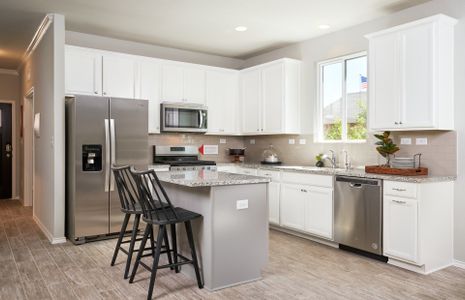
127 191
152 197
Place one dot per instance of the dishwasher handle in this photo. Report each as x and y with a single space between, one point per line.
355 185
357 182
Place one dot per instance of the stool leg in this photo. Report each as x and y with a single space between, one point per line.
140 252
152 242
174 242
167 247
190 237
161 233
120 238
135 228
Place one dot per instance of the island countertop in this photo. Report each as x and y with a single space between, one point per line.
202 178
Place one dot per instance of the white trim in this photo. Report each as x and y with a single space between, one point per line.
9 72
28 154
47 233
459 264
14 192
38 35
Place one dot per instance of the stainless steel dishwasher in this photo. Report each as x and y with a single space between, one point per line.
358 213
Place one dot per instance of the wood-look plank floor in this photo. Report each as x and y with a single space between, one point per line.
32 268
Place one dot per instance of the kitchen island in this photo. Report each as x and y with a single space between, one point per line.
232 235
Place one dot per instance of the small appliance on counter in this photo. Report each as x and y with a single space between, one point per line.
237 154
270 156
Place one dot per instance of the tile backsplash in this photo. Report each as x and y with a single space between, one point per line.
439 155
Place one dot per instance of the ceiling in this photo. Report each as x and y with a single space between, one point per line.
199 25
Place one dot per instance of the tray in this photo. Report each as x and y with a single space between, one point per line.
393 171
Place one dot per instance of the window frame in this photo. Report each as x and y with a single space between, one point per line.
319 131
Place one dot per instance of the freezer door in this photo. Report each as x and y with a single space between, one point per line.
129 140
91 198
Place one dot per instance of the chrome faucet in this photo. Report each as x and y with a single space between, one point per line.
331 159
347 163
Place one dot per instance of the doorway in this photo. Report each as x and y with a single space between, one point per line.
28 171
6 150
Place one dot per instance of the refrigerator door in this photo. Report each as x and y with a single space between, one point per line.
90 147
129 140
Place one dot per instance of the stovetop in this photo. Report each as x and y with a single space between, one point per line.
177 156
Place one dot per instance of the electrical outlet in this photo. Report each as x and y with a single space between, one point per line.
222 141
252 142
421 141
242 204
302 141
291 141
406 141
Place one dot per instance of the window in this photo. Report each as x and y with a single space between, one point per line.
342 99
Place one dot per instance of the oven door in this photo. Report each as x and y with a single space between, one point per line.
184 118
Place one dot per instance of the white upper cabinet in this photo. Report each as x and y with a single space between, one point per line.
270 97
251 101
411 75
183 84
222 101
119 73
83 71
148 88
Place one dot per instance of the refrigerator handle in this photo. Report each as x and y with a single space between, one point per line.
107 154
113 152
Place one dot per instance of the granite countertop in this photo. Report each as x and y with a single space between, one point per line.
357 172
203 178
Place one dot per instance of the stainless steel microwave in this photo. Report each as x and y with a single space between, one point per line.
183 117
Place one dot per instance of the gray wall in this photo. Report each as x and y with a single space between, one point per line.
111 44
44 72
9 90
351 40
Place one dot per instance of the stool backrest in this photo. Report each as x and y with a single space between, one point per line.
153 198
127 187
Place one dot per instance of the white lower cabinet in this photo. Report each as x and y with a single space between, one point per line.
319 211
273 200
401 228
292 206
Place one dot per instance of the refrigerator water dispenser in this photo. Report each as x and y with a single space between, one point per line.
91 158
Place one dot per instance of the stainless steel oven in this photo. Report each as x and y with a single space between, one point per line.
183 117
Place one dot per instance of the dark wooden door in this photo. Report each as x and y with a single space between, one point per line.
6 151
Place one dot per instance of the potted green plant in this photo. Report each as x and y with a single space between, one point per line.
319 160
386 147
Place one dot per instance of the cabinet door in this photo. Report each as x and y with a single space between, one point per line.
172 83
222 102
273 202
273 98
417 107
118 76
401 228
194 85
319 211
83 71
292 206
384 82
149 89
250 95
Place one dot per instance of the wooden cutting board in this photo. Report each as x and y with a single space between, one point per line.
394 171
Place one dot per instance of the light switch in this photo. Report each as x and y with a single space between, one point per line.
222 141
421 141
302 141
242 204
252 142
406 141
291 141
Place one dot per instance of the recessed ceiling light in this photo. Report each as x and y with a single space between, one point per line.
241 28
324 26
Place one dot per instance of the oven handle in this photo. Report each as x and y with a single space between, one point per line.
201 118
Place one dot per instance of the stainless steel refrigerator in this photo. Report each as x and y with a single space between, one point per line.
100 132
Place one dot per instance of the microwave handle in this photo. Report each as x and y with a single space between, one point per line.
201 118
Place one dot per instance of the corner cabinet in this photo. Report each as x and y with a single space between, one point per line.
411 76
418 225
270 98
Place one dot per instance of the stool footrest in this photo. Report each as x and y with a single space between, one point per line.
184 261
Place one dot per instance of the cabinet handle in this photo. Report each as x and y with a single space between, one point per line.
399 201
397 123
262 129
302 190
399 190
95 92
104 93
400 122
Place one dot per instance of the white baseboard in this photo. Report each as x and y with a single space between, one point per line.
459 264
47 233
